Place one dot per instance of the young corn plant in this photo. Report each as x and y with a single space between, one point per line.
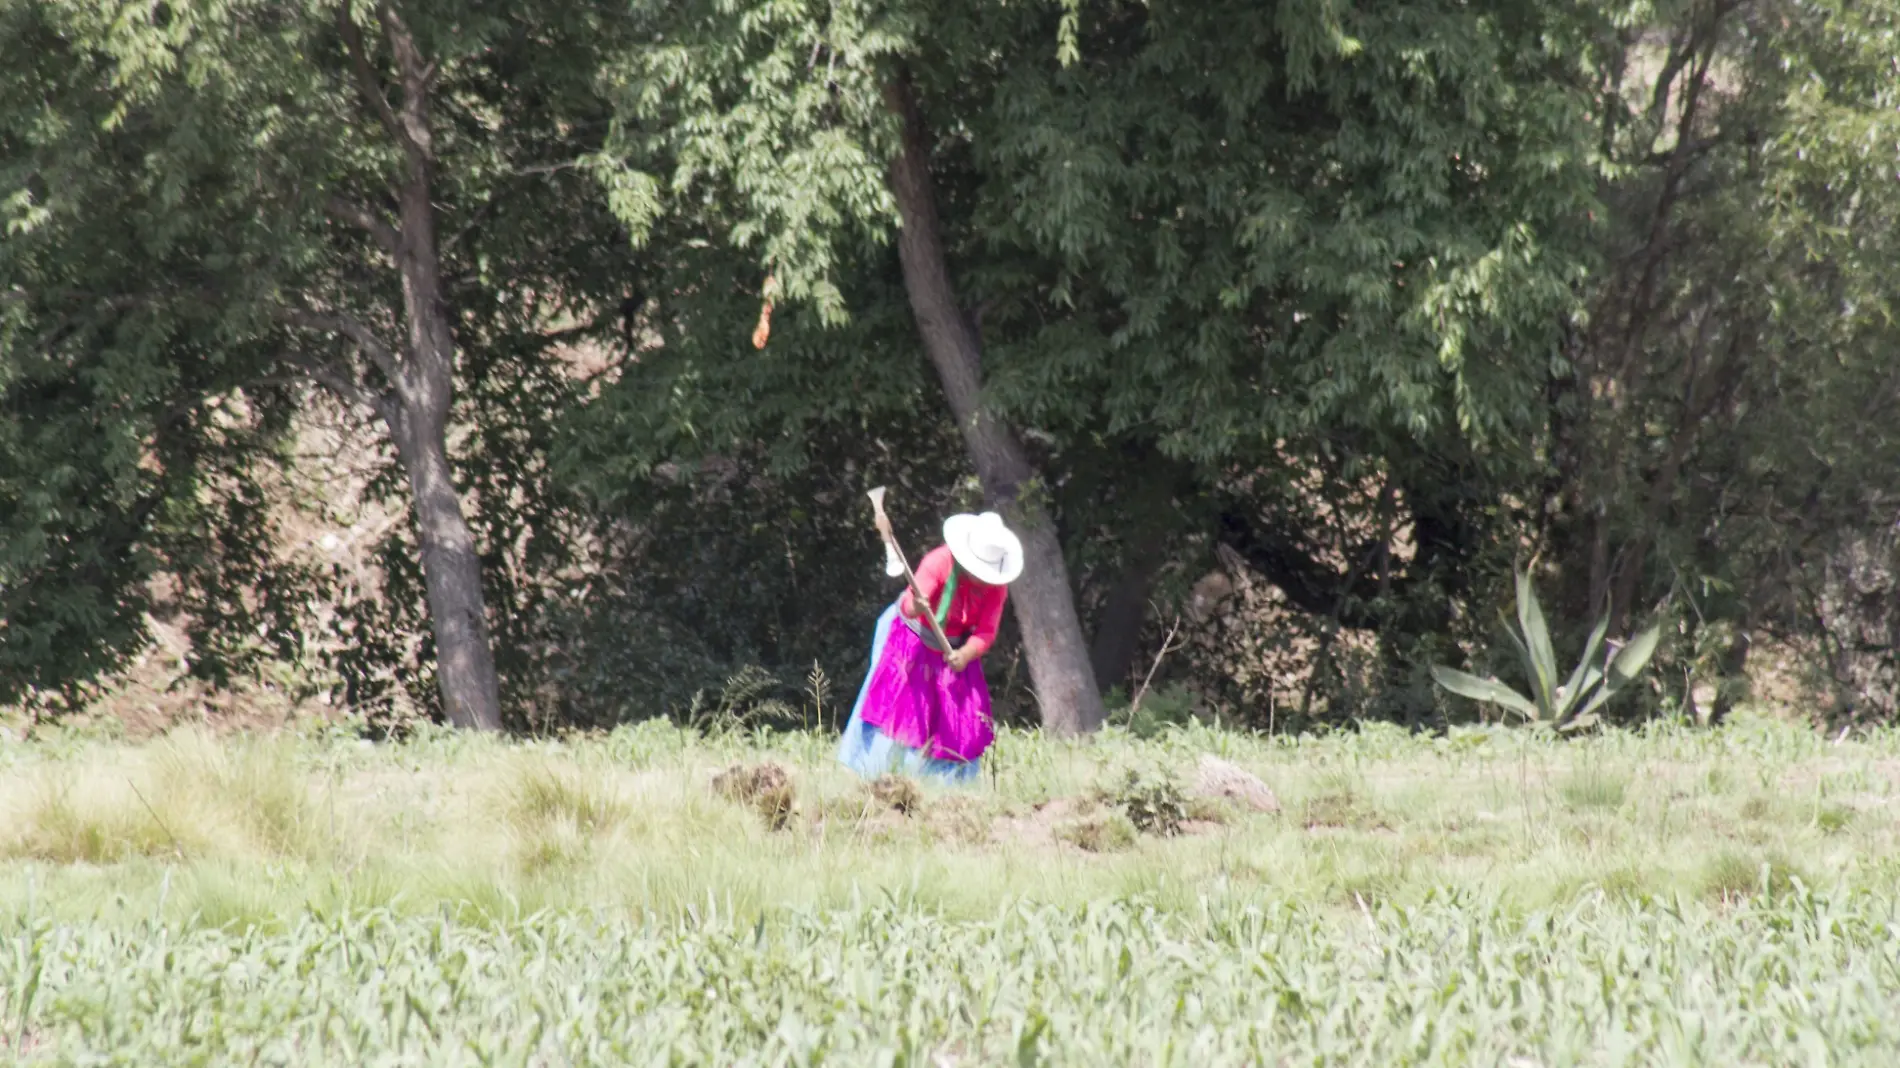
1572 704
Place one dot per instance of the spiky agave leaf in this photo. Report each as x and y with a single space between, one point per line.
1490 691
1628 663
1576 690
1634 657
1543 658
1530 670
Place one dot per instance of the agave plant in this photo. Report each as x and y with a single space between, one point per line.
1573 703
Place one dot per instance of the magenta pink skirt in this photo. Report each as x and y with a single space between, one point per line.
916 699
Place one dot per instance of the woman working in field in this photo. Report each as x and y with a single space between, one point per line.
924 707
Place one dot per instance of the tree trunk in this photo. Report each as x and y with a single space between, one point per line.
1124 613
1731 684
452 576
422 378
1052 633
1150 518
451 567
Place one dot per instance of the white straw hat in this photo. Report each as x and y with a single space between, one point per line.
984 547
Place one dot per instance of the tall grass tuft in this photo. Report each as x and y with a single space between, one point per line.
1595 787
557 812
545 793
215 896
251 786
94 823
1733 876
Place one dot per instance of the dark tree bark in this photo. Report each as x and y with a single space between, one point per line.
1125 610
1052 632
1148 515
420 375
1731 684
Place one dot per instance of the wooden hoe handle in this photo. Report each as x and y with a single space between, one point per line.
923 604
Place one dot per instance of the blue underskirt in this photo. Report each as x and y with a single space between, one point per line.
871 753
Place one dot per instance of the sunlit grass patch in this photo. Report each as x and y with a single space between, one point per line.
96 819
251 785
1733 875
448 822
1832 818
1593 786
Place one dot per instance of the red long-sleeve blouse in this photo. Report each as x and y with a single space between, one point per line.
977 609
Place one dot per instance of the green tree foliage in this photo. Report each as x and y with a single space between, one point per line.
236 203
1717 433
1365 301
1233 241
112 454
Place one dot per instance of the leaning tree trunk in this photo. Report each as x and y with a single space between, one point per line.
451 568
420 374
452 577
1052 633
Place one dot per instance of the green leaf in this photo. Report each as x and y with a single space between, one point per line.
1537 640
1592 678
1597 701
1629 663
1634 657
1581 680
1490 691
1530 664
1068 48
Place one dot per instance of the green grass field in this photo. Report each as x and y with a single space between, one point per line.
1490 898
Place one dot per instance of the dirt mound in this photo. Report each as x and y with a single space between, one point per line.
766 788
1037 827
961 820
897 793
1100 830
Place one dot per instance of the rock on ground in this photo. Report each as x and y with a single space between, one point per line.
1218 778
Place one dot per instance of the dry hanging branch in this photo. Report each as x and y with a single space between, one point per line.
763 332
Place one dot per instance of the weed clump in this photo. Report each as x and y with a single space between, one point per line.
1732 876
1833 819
1102 830
1340 808
962 820
765 788
557 814
1210 810
1152 801
1625 883
251 786
544 794
61 828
